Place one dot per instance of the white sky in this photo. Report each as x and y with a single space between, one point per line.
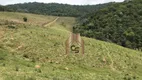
76 2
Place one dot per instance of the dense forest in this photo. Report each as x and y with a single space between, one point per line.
1 8
4 8
56 9
120 23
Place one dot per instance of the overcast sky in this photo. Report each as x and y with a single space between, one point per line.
77 2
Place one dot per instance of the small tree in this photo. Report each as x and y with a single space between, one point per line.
25 19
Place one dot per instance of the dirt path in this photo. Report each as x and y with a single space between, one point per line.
112 62
50 23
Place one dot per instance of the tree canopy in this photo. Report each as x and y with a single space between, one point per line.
120 23
56 9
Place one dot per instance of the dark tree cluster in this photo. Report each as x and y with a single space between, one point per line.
120 23
56 9
4 8
1 8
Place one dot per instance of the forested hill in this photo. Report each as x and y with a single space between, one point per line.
120 23
4 8
56 9
1 8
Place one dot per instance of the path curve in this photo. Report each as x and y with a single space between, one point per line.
50 23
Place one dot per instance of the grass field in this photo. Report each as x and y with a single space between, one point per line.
26 45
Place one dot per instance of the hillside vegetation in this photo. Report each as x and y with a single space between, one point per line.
119 23
26 45
54 8
3 8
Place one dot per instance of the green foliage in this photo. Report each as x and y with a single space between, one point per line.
4 8
56 9
119 23
25 19
1 8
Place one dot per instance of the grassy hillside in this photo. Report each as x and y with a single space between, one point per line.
24 45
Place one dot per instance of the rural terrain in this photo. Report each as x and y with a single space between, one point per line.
35 50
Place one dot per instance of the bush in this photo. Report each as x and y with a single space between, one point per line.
25 19
26 55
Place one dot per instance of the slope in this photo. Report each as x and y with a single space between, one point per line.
23 46
119 23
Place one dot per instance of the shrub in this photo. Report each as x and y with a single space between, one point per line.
4 64
25 19
26 55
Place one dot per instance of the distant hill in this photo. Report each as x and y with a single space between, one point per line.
56 9
120 23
